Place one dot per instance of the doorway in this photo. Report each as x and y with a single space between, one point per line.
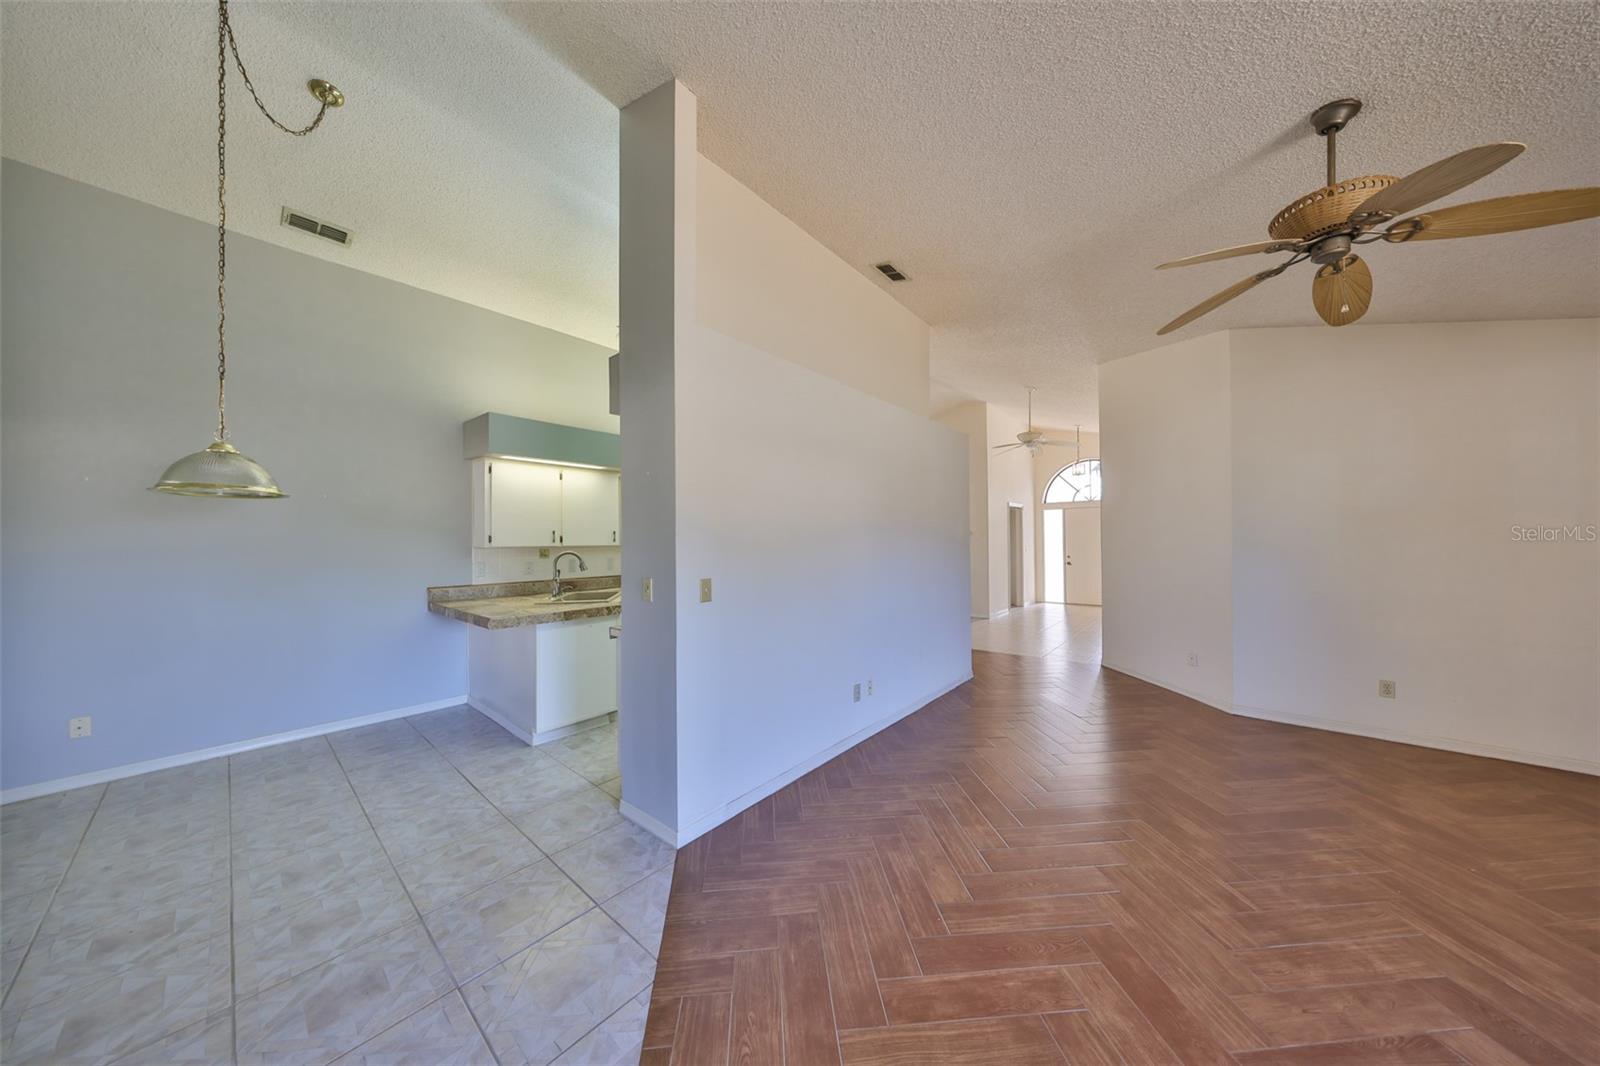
1014 553
1072 553
1082 547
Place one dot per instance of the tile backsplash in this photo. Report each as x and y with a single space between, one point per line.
537 564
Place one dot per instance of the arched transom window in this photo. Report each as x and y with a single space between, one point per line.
1078 483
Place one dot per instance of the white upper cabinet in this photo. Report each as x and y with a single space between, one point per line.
515 505
524 505
589 507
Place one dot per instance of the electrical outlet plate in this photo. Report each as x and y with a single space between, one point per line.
1194 658
869 686
78 728
1386 689
855 692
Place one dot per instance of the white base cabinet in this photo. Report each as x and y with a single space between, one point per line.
541 681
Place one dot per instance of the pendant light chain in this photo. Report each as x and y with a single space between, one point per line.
226 44
222 218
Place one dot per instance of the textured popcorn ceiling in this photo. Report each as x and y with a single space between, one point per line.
1026 164
1029 164
467 160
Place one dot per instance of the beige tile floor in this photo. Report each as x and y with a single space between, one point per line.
1054 629
427 890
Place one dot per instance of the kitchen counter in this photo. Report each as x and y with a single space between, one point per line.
510 604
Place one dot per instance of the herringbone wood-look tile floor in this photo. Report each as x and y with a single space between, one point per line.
1061 863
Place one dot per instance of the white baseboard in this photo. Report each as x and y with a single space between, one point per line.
657 829
1194 694
709 820
500 720
98 777
536 738
1334 725
1423 740
561 731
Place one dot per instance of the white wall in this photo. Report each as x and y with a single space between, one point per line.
828 511
767 282
658 176
1010 482
834 526
1378 472
1371 479
1166 517
184 624
971 420
994 482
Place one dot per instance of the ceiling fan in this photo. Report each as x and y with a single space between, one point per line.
1032 439
1323 226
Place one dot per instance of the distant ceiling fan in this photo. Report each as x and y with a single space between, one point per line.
1323 225
1032 440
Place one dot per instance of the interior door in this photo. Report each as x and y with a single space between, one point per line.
1083 554
1014 554
524 504
589 515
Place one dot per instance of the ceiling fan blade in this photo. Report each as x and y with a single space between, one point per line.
1503 214
1007 447
1238 288
1229 253
1342 292
1437 179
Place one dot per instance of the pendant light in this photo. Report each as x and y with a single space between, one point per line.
221 469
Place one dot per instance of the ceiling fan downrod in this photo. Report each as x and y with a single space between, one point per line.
1328 120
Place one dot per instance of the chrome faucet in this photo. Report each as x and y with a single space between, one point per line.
555 589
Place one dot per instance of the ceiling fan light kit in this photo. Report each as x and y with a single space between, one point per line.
1325 226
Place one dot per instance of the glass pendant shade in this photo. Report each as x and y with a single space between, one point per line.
220 470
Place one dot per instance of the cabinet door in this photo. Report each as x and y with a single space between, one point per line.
576 672
524 504
589 507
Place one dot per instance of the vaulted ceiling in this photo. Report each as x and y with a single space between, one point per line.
1026 164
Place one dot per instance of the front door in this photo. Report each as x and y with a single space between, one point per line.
1083 553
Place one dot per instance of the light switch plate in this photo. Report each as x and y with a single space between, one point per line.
1386 689
78 728
647 590
705 590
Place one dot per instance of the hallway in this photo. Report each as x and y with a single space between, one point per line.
1069 632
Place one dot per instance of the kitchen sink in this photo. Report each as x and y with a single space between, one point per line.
591 596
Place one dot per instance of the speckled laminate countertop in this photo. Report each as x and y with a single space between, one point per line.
507 605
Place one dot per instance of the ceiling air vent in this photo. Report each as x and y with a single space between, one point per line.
890 271
299 220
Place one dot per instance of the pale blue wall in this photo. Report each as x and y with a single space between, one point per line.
182 624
